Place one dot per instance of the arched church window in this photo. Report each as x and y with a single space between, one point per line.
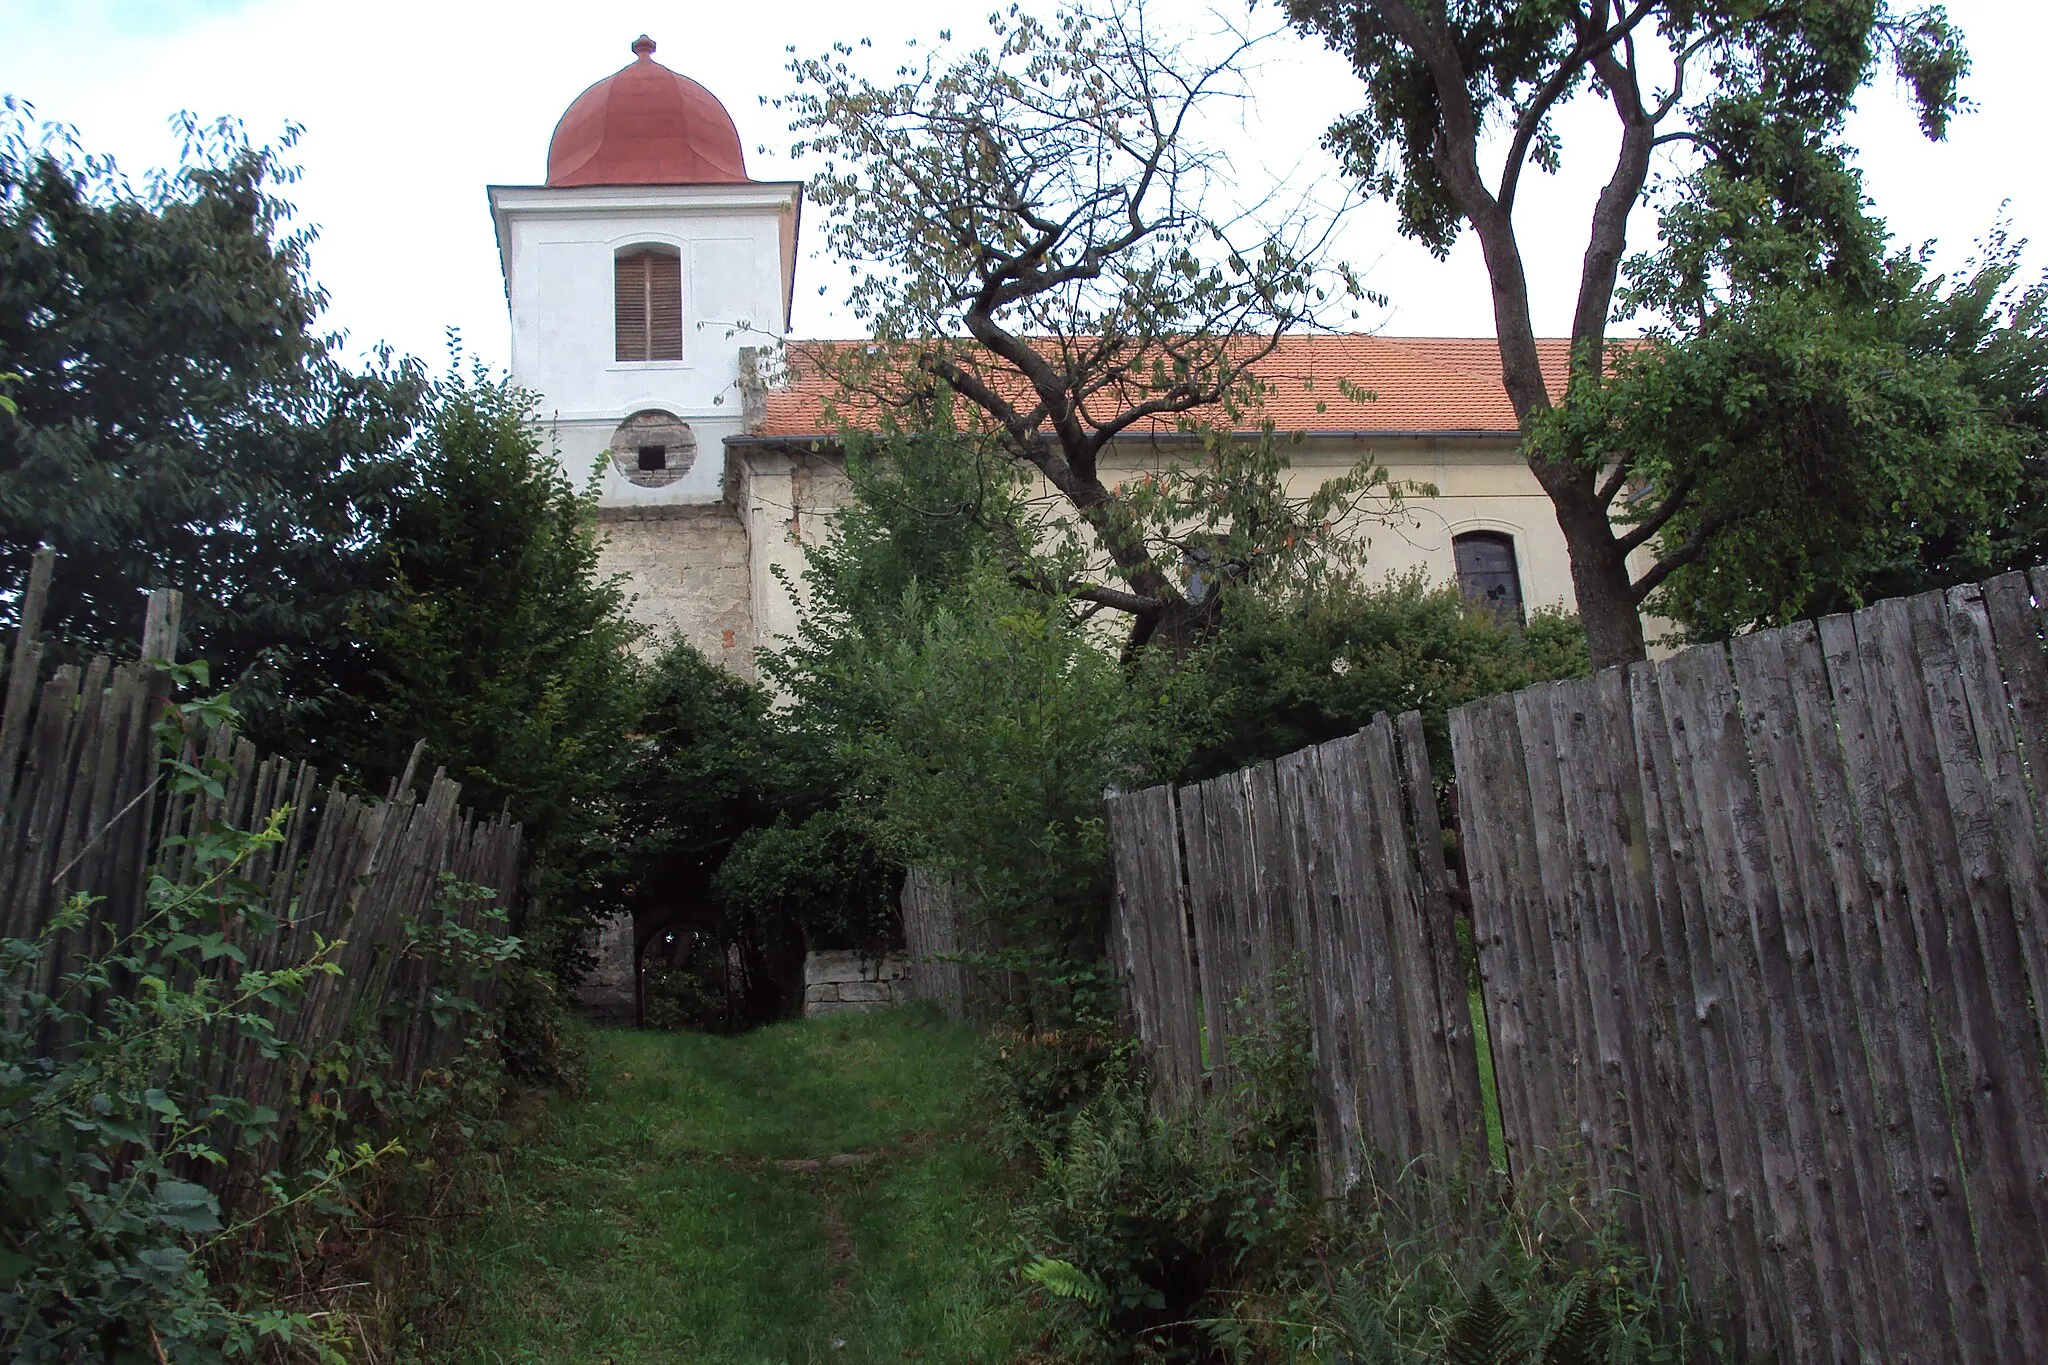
653 448
1487 574
648 289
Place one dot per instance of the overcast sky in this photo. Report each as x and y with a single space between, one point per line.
411 107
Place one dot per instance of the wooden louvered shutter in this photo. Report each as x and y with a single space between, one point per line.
664 307
630 292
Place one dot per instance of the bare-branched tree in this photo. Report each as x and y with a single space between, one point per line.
1043 248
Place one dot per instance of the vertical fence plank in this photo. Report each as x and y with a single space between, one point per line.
1850 1223
1208 916
1711 1019
1831 727
1414 1075
1496 825
1995 1015
1890 831
1451 1019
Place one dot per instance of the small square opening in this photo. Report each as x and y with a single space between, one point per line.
654 457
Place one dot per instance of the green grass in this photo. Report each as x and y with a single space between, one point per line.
1489 1093
650 1220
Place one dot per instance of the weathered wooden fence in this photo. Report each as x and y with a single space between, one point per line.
943 936
83 808
1762 933
1323 869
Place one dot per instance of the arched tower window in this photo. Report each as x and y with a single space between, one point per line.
1487 573
648 289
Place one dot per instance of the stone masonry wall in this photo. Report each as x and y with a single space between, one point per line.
835 982
686 569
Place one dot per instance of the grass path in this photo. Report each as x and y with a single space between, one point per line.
808 1193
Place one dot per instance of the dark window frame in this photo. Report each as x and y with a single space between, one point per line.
1489 570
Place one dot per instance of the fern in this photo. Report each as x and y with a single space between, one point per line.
1483 1334
1065 1280
1576 1338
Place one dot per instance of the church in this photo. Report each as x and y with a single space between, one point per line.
651 282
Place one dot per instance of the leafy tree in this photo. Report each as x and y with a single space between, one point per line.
976 720
818 883
1757 91
177 420
1833 448
492 639
1041 245
1004 721
708 763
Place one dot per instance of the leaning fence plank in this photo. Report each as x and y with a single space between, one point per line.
1895 840
1407 1069
1496 826
1297 802
1988 978
1714 1016
1351 971
1272 925
1801 968
24 661
1451 1023
1559 907
1206 915
2016 621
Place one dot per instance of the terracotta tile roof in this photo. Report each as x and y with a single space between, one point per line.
1416 383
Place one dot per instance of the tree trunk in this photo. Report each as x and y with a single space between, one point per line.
1600 577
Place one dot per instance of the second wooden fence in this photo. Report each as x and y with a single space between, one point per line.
83 811
1762 935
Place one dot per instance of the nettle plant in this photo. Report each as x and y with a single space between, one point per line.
115 1128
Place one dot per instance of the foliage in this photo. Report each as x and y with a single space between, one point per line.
178 421
1041 244
493 641
1842 442
1298 668
974 722
1541 1282
135 1167
370 559
708 764
1141 1226
823 879
1756 95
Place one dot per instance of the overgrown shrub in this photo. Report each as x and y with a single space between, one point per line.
822 879
1310 664
1539 1280
1203 1238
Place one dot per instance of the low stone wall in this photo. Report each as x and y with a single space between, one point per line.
840 981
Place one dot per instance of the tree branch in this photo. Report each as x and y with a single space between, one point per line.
1642 531
1695 545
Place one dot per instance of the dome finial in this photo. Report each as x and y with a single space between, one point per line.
643 47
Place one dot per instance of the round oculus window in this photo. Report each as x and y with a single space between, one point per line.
653 449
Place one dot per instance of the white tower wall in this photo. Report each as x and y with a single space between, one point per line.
737 248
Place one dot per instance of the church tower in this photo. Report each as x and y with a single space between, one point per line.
643 278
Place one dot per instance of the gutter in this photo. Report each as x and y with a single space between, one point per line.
819 442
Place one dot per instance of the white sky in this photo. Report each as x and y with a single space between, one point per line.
411 107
